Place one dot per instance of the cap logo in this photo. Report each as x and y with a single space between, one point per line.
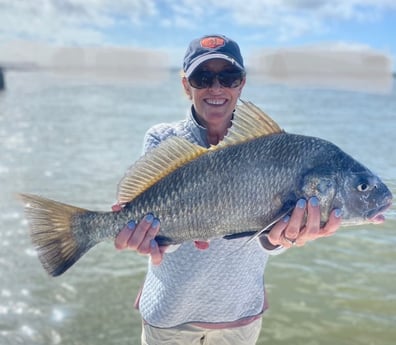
212 42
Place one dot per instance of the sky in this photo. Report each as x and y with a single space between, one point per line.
169 25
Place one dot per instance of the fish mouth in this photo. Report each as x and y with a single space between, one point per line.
376 216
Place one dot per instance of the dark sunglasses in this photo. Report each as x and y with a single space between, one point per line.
204 79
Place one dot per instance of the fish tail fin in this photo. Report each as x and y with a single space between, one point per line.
52 232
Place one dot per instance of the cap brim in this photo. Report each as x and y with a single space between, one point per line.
207 57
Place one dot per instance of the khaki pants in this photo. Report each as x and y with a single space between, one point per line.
192 335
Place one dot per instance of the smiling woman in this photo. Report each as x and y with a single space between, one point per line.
173 301
55 140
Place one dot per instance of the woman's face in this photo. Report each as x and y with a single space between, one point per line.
214 105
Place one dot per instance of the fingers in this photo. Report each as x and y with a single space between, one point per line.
141 238
155 252
145 231
332 225
287 231
303 225
276 235
311 229
121 241
296 220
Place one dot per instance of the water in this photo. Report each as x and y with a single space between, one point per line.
72 140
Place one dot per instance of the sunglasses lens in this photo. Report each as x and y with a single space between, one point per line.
205 79
230 78
201 79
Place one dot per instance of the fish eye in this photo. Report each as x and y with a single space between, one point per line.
364 187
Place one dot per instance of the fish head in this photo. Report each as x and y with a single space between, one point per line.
360 195
340 181
363 198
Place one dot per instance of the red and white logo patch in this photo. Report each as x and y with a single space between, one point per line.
212 42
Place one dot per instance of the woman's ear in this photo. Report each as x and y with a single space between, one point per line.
187 87
242 85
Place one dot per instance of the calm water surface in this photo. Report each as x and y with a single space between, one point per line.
73 139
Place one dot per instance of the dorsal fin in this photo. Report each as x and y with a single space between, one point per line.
249 122
155 165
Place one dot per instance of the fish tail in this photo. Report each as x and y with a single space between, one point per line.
53 232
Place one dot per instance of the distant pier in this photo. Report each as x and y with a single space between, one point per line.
2 80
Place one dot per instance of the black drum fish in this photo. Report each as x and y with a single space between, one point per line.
241 186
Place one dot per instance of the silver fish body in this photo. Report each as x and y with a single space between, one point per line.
232 190
245 187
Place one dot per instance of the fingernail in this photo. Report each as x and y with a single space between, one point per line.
314 201
301 203
153 243
131 225
286 219
337 213
149 218
155 223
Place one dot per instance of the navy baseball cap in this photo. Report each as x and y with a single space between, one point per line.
211 47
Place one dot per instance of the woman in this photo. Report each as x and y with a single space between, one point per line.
216 295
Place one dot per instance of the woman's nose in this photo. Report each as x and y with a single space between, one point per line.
216 84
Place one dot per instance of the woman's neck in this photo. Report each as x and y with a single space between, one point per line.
215 133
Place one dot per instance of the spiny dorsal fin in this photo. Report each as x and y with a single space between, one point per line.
155 165
249 122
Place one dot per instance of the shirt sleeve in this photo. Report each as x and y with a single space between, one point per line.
150 141
156 134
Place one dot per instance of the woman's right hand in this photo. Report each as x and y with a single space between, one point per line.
140 237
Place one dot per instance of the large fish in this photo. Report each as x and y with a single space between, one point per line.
239 187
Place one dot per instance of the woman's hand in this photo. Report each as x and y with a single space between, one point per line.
292 231
140 237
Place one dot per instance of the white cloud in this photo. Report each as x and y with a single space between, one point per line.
164 24
69 21
90 21
286 19
294 18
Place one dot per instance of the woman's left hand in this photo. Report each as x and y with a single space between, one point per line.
292 231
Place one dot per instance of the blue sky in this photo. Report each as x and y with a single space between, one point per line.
169 25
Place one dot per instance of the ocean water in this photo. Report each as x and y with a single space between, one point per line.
71 139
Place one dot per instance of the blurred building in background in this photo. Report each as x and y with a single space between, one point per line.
342 67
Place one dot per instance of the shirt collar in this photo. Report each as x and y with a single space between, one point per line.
199 132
